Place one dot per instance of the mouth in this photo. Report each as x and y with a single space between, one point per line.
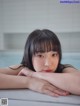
47 71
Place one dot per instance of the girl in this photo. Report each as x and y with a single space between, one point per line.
41 64
43 56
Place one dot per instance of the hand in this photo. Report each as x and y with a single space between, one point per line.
42 86
45 87
26 72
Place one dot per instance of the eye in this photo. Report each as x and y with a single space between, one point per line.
54 54
39 55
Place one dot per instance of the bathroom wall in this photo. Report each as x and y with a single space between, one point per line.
70 41
18 17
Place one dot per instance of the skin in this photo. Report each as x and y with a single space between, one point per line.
45 62
45 65
10 79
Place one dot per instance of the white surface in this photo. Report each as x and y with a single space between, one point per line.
31 98
32 103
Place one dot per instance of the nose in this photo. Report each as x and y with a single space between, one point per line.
47 62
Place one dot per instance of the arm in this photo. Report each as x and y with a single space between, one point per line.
10 80
35 84
67 81
12 70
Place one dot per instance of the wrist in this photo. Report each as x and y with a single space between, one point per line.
29 82
29 72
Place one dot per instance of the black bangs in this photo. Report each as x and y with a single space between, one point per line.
44 45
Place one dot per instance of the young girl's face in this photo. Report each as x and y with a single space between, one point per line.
45 61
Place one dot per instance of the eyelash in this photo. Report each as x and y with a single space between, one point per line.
54 54
40 55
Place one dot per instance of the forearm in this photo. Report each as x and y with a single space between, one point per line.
12 70
66 81
12 81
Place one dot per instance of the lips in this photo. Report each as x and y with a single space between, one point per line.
47 71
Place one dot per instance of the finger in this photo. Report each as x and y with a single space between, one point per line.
49 90
21 74
50 93
57 91
63 92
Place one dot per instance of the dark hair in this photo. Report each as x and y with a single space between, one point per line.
40 41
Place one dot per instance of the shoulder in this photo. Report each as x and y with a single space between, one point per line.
11 70
67 68
15 66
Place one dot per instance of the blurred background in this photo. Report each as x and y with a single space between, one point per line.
20 17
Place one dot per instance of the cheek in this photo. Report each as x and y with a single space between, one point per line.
55 63
37 64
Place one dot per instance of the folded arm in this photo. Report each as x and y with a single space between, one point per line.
68 81
13 81
9 79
